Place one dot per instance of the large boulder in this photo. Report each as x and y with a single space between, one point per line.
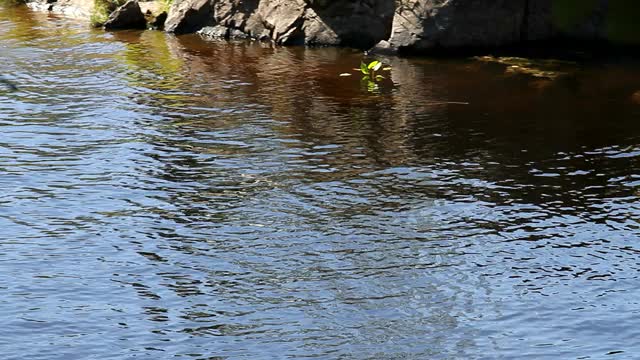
186 16
425 25
127 16
323 22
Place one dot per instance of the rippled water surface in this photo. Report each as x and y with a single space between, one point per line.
170 197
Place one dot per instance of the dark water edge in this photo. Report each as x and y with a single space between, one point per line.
170 197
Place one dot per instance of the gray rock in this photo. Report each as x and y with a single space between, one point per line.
235 34
383 48
323 22
423 25
127 16
186 16
410 25
222 32
426 24
218 32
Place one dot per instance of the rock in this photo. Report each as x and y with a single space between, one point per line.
349 22
235 34
157 22
415 26
127 16
154 13
79 9
188 16
218 32
427 24
383 48
222 32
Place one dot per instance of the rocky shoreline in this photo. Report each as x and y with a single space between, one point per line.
392 26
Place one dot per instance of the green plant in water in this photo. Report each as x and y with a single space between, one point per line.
369 70
371 75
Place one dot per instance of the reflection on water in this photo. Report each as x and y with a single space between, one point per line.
170 197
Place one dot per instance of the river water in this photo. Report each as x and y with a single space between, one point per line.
169 197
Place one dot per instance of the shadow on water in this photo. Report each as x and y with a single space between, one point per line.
169 196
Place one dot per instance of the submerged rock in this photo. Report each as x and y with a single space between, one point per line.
127 16
222 32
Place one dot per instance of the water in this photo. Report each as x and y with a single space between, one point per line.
168 197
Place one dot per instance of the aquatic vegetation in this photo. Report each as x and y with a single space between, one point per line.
371 74
370 70
539 68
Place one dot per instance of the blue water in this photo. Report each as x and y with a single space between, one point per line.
169 197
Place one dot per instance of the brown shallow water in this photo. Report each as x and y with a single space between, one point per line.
169 197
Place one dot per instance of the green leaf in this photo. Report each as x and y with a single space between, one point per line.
375 65
379 77
364 69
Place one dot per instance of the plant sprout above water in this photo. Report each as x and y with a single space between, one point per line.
370 70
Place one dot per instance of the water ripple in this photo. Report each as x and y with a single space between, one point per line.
165 196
